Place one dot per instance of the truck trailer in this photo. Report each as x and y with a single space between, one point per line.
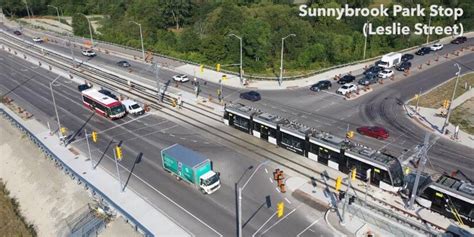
192 167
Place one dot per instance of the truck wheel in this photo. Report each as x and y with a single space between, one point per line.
202 191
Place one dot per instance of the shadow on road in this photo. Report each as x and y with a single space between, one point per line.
137 160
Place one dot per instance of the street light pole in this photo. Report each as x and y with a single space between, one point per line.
89 148
141 37
57 11
239 197
281 57
452 98
240 68
54 105
27 10
90 28
366 36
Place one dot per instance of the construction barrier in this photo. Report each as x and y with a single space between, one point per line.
420 66
428 63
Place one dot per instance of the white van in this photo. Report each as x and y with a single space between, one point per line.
390 60
132 107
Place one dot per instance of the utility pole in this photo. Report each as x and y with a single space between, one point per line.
158 88
428 35
141 37
89 148
366 36
452 98
281 57
71 45
346 199
27 9
421 166
57 11
240 67
90 27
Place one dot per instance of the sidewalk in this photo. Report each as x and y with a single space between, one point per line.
232 80
427 118
354 225
129 203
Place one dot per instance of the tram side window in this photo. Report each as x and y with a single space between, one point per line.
257 127
385 177
272 132
292 141
241 122
397 174
361 167
463 207
313 148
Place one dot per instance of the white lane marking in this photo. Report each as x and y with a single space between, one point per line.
286 199
271 180
278 190
264 224
276 223
266 171
316 221
168 128
172 135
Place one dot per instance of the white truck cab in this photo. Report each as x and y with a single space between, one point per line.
133 107
209 182
390 60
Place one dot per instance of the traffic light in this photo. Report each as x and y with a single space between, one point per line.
94 136
416 97
218 67
446 104
350 134
224 77
63 130
342 194
338 183
201 68
280 209
351 200
118 151
353 174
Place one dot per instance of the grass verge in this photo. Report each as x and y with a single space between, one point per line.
435 97
463 116
12 223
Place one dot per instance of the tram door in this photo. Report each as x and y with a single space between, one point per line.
376 176
264 131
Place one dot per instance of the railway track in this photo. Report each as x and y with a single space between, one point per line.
162 101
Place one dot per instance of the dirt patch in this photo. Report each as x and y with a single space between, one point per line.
463 116
434 99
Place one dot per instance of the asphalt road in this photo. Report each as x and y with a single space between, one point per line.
203 215
328 111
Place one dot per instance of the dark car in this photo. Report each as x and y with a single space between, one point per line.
373 69
322 85
423 51
17 32
370 78
407 57
84 87
250 95
108 93
459 40
373 131
123 64
403 66
346 79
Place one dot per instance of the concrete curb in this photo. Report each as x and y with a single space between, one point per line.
329 224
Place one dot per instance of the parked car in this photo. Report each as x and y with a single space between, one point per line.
83 87
459 40
321 85
88 53
373 131
346 88
423 51
403 66
369 79
386 73
436 47
407 57
17 32
374 69
123 63
346 79
37 39
251 95
108 93
180 78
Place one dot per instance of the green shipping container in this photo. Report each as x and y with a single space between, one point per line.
185 163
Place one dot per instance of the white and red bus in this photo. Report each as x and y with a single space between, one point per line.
102 104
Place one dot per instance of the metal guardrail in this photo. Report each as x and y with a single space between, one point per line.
95 191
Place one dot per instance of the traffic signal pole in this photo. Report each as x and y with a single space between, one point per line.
118 171
346 197
89 148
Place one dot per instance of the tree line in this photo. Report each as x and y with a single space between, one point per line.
198 30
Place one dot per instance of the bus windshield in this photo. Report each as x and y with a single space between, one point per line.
117 109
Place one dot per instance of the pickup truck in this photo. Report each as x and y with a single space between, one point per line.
132 107
191 167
